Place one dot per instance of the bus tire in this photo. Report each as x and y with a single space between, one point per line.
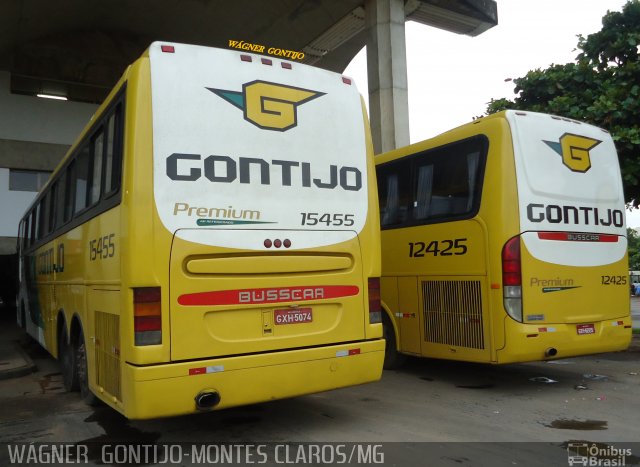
83 374
23 317
68 362
392 358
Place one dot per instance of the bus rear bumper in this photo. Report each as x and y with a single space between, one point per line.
171 389
535 342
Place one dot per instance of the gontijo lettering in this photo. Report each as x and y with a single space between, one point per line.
579 215
224 169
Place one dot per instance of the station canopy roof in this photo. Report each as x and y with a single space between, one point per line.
79 48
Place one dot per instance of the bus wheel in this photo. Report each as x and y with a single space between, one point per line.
83 374
392 358
23 317
68 362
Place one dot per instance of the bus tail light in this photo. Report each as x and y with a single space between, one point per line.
512 278
375 308
147 317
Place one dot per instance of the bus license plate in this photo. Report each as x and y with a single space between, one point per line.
293 316
586 329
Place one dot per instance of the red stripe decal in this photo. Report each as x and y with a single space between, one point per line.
268 295
578 237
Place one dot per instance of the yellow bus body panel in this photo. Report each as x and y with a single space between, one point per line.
451 307
162 390
262 360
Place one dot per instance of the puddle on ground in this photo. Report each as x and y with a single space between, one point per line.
475 386
596 377
117 430
241 419
46 381
585 425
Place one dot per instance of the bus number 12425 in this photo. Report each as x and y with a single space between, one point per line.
438 248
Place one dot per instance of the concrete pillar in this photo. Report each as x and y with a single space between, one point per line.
387 74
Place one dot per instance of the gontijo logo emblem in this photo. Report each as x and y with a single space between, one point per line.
269 106
574 150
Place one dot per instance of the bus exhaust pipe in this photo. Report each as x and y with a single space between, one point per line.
207 400
551 352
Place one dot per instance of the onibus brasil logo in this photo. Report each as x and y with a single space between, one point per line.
269 106
574 150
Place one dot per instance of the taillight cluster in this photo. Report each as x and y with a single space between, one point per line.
375 307
512 278
147 316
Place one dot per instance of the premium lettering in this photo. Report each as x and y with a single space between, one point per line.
206 212
578 215
224 169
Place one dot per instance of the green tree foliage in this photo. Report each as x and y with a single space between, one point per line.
602 87
633 240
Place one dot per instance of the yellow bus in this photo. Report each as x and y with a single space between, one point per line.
504 241
211 239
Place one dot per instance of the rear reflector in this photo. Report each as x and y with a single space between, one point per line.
167 49
346 80
245 58
375 307
147 315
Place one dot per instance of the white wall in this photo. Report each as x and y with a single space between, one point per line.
32 119
27 118
13 204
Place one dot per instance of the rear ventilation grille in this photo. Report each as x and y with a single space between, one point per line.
108 352
453 313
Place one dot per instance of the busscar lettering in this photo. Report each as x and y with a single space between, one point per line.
578 215
225 169
278 295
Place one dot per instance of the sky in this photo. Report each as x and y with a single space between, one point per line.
452 77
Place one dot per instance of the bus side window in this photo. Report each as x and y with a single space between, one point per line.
60 199
96 162
53 196
456 179
69 190
394 193
34 224
113 154
25 233
424 189
81 179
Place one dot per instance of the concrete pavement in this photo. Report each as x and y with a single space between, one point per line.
14 362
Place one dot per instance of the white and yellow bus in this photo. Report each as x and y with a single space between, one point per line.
212 238
504 241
